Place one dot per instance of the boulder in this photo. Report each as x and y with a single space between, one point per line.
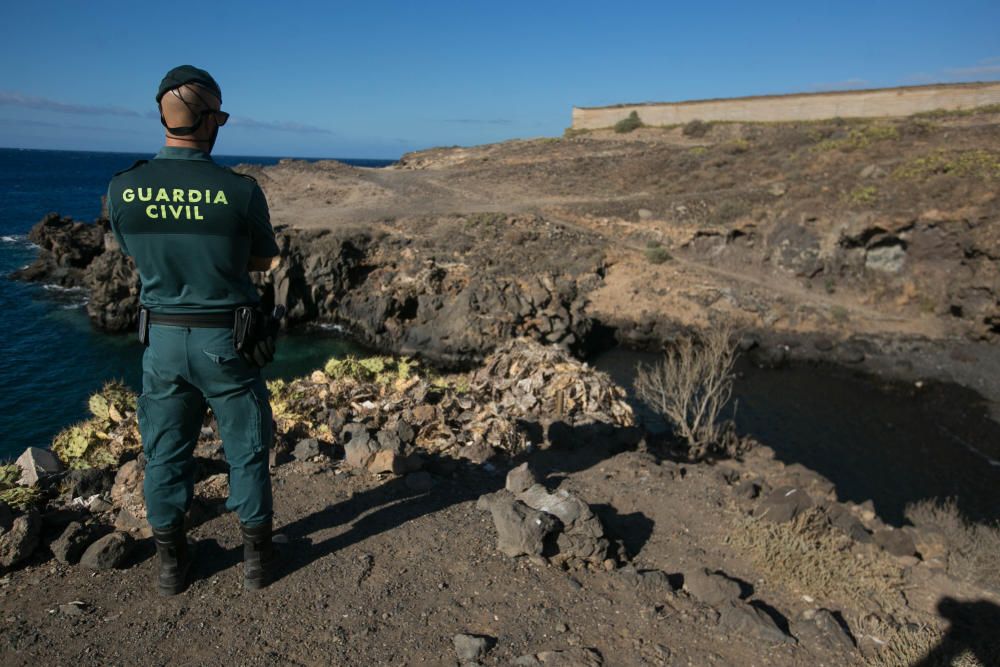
18 543
582 535
712 588
36 463
74 540
108 552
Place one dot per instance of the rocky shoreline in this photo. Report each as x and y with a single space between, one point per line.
396 297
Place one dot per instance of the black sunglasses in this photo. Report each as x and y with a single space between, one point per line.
220 116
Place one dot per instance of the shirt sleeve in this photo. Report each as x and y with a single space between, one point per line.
262 243
114 223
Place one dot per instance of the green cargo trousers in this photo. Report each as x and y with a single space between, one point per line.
182 369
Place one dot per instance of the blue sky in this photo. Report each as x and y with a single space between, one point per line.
333 79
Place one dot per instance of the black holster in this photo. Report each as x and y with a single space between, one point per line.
143 325
252 325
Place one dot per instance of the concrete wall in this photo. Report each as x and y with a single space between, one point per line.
807 106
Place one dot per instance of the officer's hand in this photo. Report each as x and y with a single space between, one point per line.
263 351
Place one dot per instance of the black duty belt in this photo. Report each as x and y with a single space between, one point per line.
193 319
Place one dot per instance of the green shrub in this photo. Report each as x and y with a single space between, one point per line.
657 254
629 123
977 163
696 128
863 194
738 146
860 137
731 209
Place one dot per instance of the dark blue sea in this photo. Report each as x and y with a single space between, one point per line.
51 359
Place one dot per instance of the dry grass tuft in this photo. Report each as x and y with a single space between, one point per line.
911 644
807 556
973 549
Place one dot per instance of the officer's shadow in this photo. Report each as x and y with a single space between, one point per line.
974 629
392 504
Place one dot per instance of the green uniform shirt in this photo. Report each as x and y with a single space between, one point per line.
191 226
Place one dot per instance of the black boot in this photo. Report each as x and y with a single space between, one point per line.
175 560
258 556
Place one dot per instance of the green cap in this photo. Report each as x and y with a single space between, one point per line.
185 74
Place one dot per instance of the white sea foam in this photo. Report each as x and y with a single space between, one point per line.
989 460
59 288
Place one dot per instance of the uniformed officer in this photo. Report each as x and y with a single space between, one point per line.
195 230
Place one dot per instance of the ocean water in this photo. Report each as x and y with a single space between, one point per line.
51 359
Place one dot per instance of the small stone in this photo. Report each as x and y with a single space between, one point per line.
35 463
420 481
70 545
710 587
388 439
569 657
783 504
72 608
644 214
97 504
306 449
108 552
521 530
359 448
820 629
18 543
562 627
520 479
842 519
744 619
866 510
470 647
748 488
896 542
87 482
387 461
128 522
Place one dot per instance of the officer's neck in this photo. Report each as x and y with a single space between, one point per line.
179 142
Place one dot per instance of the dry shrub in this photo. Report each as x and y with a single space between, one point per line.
910 644
691 385
807 555
973 548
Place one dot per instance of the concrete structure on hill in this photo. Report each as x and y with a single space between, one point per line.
802 106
